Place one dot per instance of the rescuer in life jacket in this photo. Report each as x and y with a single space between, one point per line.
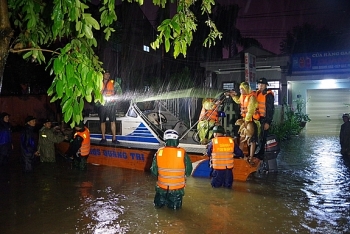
208 118
249 107
171 165
266 109
79 147
221 151
109 90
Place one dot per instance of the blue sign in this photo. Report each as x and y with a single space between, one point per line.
321 61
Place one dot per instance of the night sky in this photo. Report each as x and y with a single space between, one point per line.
269 20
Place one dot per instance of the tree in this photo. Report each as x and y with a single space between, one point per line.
30 27
308 38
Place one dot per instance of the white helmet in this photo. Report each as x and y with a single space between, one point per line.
171 134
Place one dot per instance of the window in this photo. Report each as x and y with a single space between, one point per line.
228 86
145 48
274 86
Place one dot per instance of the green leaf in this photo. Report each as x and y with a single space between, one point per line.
54 98
87 31
81 105
57 66
59 88
28 54
88 98
92 21
67 104
69 71
68 114
167 45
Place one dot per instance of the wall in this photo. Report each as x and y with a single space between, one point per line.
21 106
300 87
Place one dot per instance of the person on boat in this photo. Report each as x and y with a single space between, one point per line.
110 88
6 145
79 147
344 136
221 151
266 109
249 113
28 144
47 139
208 118
171 165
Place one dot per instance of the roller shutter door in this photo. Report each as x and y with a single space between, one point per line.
325 109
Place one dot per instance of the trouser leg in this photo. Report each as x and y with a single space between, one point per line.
83 163
217 179
159 200
174 200
228 178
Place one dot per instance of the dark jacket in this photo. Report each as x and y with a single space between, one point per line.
5 142
28 148
344 137
28 145
5 133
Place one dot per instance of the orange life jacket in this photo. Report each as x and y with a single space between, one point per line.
85 145
171 168
244 100
222 155
261 98
209 114
108 88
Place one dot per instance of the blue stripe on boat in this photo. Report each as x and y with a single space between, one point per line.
141 135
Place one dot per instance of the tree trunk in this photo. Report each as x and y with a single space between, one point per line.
6 34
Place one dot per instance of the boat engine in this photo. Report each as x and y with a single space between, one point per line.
272 149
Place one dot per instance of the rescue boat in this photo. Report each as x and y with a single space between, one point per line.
140 133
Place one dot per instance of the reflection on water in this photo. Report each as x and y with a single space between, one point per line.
310 194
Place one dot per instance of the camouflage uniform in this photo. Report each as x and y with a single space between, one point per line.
47 140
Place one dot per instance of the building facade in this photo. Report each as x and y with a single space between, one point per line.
321 79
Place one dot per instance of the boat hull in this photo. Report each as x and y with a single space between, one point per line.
136 158
241 169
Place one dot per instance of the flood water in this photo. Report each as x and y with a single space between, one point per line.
309 194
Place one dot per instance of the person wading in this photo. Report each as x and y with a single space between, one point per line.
171 165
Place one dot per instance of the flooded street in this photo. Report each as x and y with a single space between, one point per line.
310 194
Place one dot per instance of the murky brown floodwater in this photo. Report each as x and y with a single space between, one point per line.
310 194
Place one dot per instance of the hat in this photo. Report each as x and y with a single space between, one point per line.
171 134
80 124
263 81
46 121
106 71
3 114
219 129
29 118
345 115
